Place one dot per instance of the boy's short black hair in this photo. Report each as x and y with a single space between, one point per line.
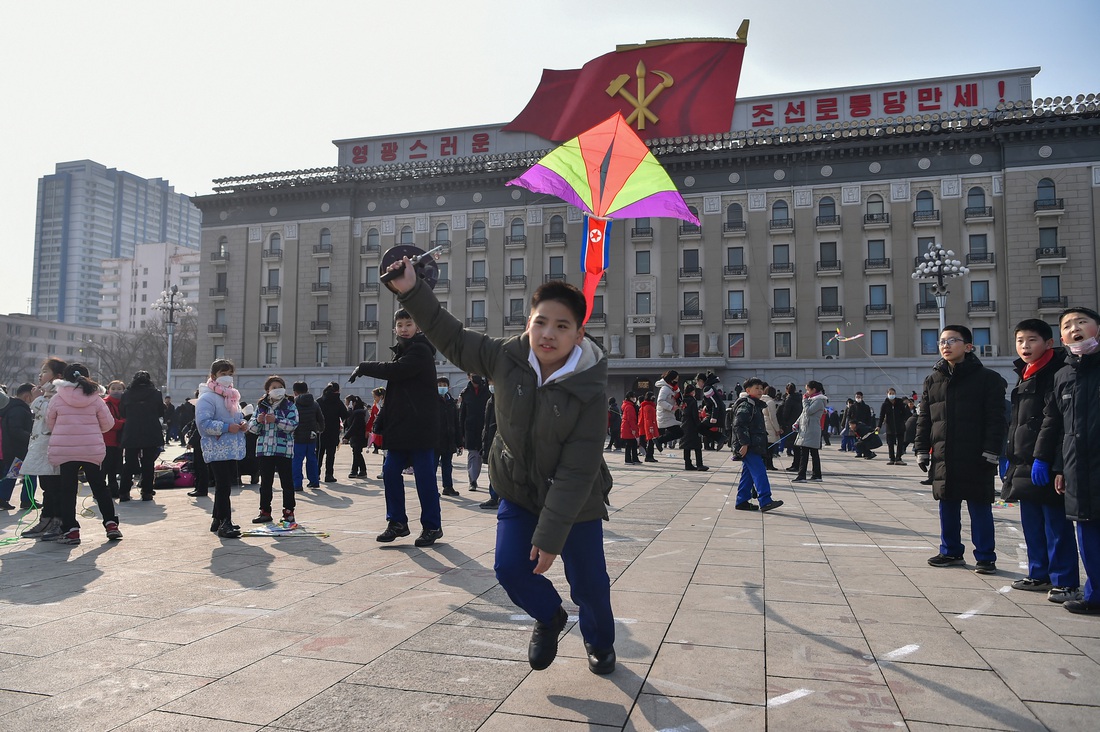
443 380
565 293
402 314
859 393
962 330
752 382
1084 311
24 388
688 388
630 394
1040 328
300 387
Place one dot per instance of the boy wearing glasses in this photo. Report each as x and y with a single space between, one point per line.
960 431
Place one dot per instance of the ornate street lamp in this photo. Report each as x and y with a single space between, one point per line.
939 264
171 303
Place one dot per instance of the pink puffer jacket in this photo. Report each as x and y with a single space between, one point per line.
77 422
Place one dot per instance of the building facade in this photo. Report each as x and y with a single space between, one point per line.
88 213
26 341
132 284
806 229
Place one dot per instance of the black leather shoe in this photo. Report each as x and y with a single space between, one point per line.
747 506
197 494
393 531
600 662
228 530
543 648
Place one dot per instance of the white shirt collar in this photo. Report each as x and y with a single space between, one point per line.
569 367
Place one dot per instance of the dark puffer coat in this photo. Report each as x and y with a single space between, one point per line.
335 412
689 422
471 412
1028 400
411 415
1071 432
749 427
892 416
142 406
962 416
311 420
450 429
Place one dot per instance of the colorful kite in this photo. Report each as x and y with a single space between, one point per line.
607 172
843 338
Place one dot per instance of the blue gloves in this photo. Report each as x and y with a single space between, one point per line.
1040 473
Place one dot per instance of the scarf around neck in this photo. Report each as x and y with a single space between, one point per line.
1033 368
232 396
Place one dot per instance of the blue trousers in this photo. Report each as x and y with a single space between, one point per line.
446 472
585 571
1088 541
1051 546
981 529
306 451
754 474
427 490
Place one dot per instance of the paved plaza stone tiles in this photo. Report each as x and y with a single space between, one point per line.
822 615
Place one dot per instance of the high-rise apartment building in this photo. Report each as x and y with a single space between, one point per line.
88 213
132 284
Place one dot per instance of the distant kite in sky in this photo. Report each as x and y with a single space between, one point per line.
607 172
839 337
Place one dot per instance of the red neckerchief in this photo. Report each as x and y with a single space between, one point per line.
1033 368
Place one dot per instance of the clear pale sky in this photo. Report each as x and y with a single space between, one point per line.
191 91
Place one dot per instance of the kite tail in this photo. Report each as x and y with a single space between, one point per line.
591 280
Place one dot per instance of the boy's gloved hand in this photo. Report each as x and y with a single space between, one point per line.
990 458
923 460
1040 473
354 375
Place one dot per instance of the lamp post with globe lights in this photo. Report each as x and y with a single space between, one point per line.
171 303
939 264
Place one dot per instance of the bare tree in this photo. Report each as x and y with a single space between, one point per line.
14 368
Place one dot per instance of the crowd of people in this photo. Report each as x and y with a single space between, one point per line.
542 438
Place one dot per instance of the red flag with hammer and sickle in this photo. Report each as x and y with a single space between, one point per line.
662 88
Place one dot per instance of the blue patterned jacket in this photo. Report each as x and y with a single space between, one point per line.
277 439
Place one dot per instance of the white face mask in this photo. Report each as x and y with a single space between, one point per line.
491 390
859 399
276 394
442 390
225 380
891 396
1083 348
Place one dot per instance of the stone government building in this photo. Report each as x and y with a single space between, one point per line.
806 227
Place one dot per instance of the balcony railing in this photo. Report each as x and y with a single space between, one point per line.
369 288
927 308
876 219
882 310
478 282
320 325
1056 302
600 318
981 306
735 270
980 258
827 221
1051 205
781 225
554 237
477 243
370 248
641 232
219 256
322 250
734 227
477 322
978 212
735 314
443 284
271 255
271 291
368 325
444 244
691 315
519 240
883 263
1050 253
269 327
516 321
778 313
219 292
322 287
830 311
781 268
514 280
691 273
825 265
926 217
690 230
554 276
217 329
